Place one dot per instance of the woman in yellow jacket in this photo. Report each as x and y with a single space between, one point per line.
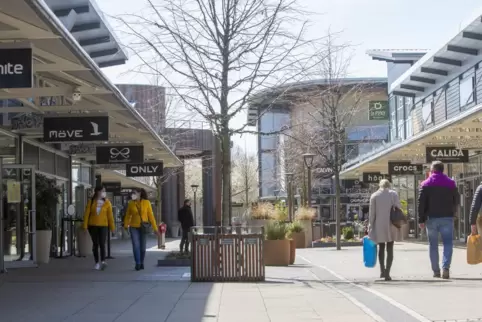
97 219
139 217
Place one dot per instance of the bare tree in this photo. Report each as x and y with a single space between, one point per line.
216 53
328 110
244 177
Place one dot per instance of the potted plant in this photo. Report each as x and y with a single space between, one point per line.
47 198
276 245
297 233
405 228
262 214
305 216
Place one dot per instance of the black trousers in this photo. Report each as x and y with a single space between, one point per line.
99 237
381 256
185 240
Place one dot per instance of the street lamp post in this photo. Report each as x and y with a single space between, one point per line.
194 190
289 178
308 158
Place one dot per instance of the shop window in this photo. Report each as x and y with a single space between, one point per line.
427 114
466 91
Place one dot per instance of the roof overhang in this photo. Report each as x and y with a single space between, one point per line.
63 67
462 131
443 63
85 21
397 56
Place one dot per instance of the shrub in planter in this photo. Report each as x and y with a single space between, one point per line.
297 233
46 199
276 246
262 214
305 216
348 233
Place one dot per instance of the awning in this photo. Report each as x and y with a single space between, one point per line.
463 131
61 67
449 59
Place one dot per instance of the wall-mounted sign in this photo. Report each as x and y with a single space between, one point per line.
404 168
80 129
16 68
449 154
323 172
11 173
378 111
111 154
80 148
13 191
151 169
374 177
112 186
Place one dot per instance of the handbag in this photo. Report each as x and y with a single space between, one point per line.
145 226
397 216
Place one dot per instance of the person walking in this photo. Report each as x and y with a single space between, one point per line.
186 219
98 218
475 219
138 218
380 228
437 202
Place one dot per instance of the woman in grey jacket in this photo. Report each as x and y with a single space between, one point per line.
380 228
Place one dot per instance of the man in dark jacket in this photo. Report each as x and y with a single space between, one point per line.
475 209
186 219
437 203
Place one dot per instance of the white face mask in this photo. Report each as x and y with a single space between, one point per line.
134 196
103 194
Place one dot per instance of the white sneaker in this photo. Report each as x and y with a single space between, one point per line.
103 265
97 266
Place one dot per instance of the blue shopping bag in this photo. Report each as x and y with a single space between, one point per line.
369 252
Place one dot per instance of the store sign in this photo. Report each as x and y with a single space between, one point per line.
449 154
151 169
27 121
81 148
10 173
108 154
80 129
374 177
113 186
378 111
16 68
404 168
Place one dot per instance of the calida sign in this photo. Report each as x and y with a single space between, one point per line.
150 169
448 154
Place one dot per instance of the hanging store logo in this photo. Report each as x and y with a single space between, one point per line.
12 172
16 68
80 129
449 154
144 169
378 111
106 154
374 177
404 168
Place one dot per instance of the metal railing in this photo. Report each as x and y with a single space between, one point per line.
234 254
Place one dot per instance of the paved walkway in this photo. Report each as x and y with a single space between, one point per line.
69 290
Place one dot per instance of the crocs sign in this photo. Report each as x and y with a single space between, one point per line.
449 154
16 68
404 168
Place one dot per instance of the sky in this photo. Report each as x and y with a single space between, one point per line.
365 24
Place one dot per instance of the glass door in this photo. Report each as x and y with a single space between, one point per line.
19 226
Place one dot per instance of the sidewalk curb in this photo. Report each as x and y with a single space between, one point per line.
420 242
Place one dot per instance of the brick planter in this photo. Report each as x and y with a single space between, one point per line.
333 244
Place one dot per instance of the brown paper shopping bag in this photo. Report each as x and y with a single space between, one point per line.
474 250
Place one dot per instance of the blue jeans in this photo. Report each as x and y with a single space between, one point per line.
444 226
138 244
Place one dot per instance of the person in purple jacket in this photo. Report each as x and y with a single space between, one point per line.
437 206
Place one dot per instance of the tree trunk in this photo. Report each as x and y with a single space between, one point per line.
226 176
337 199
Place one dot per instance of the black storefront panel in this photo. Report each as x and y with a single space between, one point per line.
16 68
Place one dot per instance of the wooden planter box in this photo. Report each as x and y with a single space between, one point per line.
292 251
277 252
333 244
174 262
299 239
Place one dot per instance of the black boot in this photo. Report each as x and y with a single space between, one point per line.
382 272
138 267
387 273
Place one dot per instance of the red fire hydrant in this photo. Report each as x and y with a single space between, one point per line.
161 239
